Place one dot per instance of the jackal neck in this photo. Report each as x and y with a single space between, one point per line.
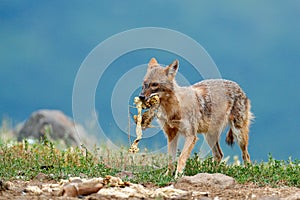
169 103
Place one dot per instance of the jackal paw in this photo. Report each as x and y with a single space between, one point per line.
178 174
170 172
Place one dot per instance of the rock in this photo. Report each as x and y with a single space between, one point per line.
114 181
270 198
295 196
210 180
77 187
123 193
80 189
75 180
4 186
41 176
33 190
134 190
9 185
60 127
70 191
170 192
140 192
51 188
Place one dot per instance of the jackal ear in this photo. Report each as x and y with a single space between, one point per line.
172 69
152 63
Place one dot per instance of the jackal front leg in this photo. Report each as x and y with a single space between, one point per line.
189 144
172 147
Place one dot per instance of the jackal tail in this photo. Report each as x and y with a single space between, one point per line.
243 128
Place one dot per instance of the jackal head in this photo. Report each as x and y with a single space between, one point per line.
158 80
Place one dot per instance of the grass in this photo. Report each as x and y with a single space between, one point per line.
272 173
24 161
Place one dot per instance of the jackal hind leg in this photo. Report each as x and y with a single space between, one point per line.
241 135
239 124
213 141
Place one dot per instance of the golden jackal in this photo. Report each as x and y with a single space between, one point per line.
206 107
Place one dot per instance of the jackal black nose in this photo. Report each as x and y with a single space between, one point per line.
142 97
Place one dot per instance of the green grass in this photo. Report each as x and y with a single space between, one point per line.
273 173
25 161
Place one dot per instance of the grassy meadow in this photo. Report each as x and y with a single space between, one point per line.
24 160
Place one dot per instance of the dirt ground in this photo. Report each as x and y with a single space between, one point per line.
239 191
245 191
